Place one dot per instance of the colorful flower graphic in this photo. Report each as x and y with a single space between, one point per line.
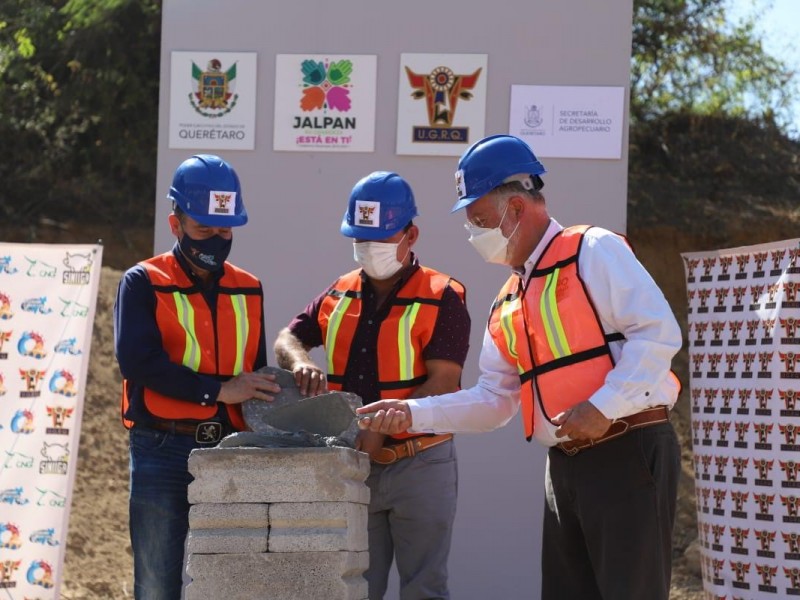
326 85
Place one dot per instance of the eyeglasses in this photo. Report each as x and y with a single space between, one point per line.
481 223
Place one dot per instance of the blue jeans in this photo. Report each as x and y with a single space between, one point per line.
159 511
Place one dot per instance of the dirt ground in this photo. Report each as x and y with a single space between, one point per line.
98 560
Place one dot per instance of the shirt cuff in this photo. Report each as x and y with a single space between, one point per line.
421 415
209 393
610 404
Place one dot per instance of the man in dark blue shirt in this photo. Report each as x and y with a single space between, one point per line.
189 332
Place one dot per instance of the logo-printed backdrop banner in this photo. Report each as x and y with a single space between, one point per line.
441 108
325 102
48 295
744 359
212 102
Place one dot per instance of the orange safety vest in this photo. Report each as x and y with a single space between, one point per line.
403 335
560 349
221 344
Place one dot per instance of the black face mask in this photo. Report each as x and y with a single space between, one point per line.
208 254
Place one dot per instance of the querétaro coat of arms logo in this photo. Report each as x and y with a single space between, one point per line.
213 89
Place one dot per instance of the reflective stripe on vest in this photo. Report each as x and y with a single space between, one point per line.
221 345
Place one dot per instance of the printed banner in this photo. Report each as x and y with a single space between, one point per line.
325 102
441 108
48 295
568 121
744 351
212 101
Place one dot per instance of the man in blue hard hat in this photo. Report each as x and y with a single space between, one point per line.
391 329
189 332
581 339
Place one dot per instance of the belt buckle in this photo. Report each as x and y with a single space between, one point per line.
208 432
570 451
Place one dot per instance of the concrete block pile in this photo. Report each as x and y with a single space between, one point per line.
278 523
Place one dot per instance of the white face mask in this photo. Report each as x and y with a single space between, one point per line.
378 259
490 243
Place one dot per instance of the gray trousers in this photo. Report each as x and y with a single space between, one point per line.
608 518
411 512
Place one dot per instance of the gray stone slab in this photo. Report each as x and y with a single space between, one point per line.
229 516
331 414
317 527
278 576
267 475
227 541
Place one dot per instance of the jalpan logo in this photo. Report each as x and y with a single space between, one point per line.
326 85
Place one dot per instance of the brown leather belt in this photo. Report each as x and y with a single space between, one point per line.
650 416
391 453
206 432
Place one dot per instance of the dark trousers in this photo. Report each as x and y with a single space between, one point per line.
608 518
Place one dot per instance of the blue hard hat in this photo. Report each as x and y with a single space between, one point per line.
206 188
491 162
380 205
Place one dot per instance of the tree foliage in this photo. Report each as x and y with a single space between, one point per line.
78 108
688 57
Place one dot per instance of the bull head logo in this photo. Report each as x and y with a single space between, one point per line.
742 261
725 262
691 265
720 294
720 462
740 464
760 258
790 468
739 535
441 89
793 575
704 295
789 433
777 257
708 264
791 539
765 538
764 358
739 498
744 396
789 324
789 398
741 430
764 502
717 327
763 430
789 360
755 293
791 288
790 502
740 569
767 573
763 466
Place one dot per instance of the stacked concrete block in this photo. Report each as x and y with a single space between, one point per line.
278 523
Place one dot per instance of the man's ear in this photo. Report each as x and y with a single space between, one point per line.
517 206
175 225
412 235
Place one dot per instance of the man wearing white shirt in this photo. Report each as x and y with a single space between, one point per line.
580 338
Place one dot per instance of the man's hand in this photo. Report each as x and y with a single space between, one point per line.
581 422
246 386
369 442
310 379
390 417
